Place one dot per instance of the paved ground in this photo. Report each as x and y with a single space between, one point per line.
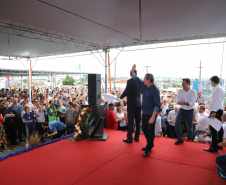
20 146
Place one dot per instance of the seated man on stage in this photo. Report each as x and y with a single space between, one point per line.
57 128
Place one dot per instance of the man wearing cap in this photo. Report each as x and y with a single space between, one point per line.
150 108
111 120
132 92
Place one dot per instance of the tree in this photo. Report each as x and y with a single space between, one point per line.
25 81
176 85
68 80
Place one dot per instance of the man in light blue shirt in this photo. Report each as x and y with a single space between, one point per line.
57 128
150 108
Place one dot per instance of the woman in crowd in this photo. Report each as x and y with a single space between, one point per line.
3 140
62 111
121 114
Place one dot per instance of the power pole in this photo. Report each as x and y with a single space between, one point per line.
147 68
200 76
115 75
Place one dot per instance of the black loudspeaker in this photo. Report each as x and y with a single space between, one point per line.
97 110
94 89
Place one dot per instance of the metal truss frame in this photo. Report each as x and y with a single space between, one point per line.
13 28
16 72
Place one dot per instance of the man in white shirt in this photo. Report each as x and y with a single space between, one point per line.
171 119
158 129
163 118
29 104
216 110
202 123
186 98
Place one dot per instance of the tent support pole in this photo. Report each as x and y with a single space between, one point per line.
22 83
29 82
106 71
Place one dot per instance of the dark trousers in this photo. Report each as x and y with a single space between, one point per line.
13 133
40 129
149 131
70 129
221 161
217 136
171 131
21 129
9 131
133 113
62 119
59 133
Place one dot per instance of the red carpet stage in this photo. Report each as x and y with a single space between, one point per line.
112 162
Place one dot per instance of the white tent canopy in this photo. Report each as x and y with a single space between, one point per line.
37 28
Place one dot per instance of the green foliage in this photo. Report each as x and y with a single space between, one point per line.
166 86
176 85
68 80
25 81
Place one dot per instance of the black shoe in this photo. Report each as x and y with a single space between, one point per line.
211 149
220 147
179 142
144 148
136 139
146 153
127 140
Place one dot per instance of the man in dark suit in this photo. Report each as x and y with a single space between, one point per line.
132 92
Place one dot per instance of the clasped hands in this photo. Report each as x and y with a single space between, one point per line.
182 102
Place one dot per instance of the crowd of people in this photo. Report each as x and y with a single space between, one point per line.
20 118
183 114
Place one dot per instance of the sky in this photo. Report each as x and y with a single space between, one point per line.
176 59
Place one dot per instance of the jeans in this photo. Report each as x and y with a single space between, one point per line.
149 131
221 161
188 115
199 132
29 131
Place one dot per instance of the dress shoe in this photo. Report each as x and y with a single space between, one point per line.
211 149
179 142
144 148
127 141
136 139
146 153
